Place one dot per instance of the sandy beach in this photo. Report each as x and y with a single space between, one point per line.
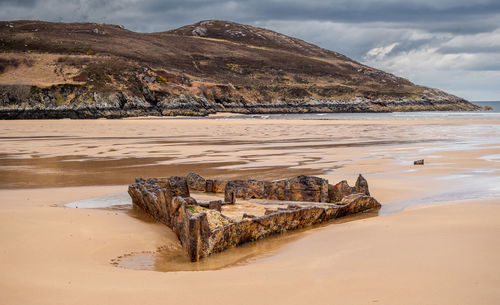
436 239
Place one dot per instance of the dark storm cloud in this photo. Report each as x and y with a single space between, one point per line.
400 36
469 49
360 11
21 3
453 16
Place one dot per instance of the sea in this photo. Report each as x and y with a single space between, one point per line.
481 115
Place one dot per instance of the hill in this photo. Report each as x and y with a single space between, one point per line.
88 70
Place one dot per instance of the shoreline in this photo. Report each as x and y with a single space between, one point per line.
442 253
52 114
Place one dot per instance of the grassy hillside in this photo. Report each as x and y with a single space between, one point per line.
218 61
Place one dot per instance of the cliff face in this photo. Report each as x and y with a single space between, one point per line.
57 70
19 102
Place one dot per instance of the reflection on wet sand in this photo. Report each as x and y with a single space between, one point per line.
174 258
460 161
105 152
65 171
441 254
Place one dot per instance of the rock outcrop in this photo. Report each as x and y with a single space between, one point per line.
203 229
80 102
300 188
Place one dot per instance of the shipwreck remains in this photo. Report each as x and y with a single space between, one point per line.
268 207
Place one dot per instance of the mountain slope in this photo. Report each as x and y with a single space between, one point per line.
85 70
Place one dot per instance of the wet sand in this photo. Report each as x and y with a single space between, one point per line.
416 252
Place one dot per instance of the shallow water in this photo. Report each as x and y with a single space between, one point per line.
104 152
111 200
486 115
461 161
175 258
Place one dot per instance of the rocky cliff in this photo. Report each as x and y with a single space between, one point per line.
75 70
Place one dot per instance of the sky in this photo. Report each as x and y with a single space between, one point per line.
453 45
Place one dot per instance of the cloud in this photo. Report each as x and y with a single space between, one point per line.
466 64
468 74
450 44
477 43
380 52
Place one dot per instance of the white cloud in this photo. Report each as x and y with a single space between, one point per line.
456 73
379 53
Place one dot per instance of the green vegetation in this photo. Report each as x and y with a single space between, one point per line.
59 99
235 68
192 209
162 79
